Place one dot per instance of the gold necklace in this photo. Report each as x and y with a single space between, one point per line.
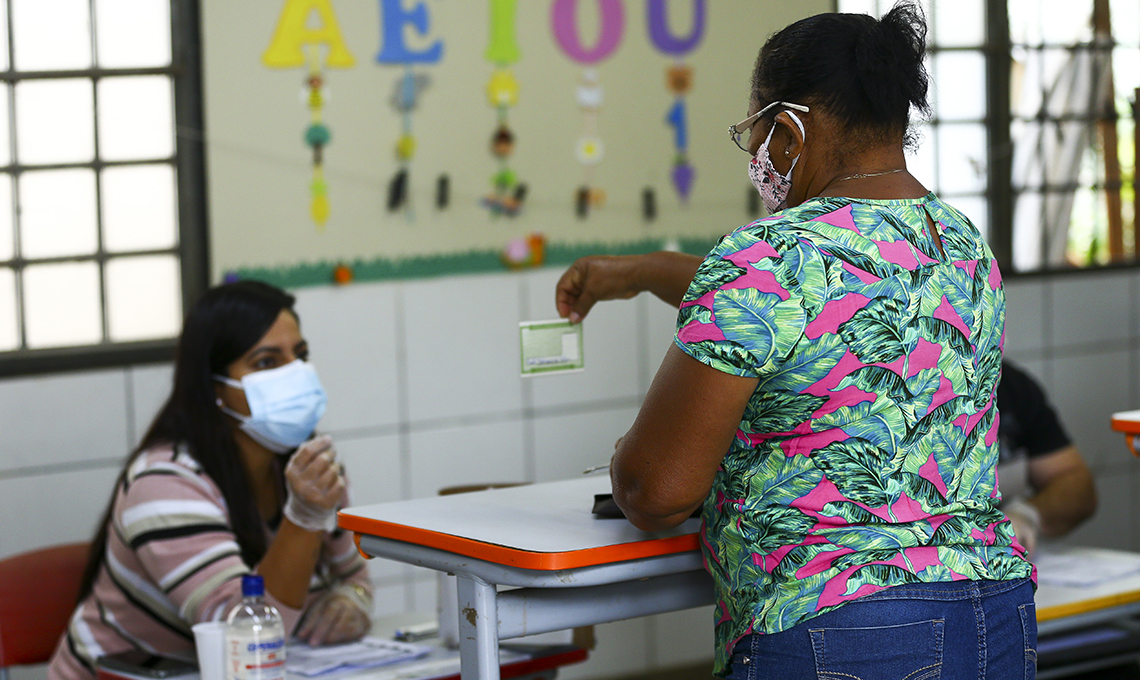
863 175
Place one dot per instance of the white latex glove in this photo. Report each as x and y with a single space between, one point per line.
315 485
1026 520
342 616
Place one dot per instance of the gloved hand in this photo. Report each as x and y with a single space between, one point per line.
341 616
1026 520
315 485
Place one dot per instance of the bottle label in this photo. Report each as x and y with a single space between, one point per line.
254 656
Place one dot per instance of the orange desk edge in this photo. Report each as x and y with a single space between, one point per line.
1073 608
499 554
1128 427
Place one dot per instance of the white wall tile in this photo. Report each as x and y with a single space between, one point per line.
684 638
374 468
352 336
150 388
1091 307
1087 390
1025 315
564 446
1113 524
475 454
63 418
661 325
388 600
610 338
375 475
43 510
623 649
462 339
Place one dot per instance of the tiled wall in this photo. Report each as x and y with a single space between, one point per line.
424 393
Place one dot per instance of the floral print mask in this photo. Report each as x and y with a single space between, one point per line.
773 186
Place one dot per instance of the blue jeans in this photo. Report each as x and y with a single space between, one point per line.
924 631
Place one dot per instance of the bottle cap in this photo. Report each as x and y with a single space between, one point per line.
252 585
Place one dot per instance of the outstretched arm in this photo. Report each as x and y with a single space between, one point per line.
619 277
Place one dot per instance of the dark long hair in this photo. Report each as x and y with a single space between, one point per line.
222 326
866 72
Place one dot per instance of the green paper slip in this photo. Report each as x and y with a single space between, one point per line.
550 347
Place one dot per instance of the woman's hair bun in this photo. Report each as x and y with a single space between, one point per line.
867 72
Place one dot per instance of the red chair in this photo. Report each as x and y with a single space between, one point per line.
38 593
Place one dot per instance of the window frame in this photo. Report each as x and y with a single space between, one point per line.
190 170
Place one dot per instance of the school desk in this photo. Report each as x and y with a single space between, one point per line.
569 569
566 568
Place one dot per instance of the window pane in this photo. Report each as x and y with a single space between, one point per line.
961 159
960 81
7 234
1054 22
143 298
55 121
5 130
132 33
138 208
959 23
920 162
57 213
1126 21
51 35
3 35
136 118
858 7
9 324
974 208
61 304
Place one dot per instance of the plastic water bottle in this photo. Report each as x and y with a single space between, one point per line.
255 636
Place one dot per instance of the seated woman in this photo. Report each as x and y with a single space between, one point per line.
228 480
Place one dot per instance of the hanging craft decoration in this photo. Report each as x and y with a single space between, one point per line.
407 88
589 149
679 80
507 192
296 45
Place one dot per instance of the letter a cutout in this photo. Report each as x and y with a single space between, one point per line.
292 33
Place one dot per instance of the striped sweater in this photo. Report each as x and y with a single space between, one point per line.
173 561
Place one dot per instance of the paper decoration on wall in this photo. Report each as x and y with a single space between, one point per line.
294 45
522 253
589 148
507 192
408 87
679 80
343 274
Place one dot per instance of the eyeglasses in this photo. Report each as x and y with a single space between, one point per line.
737 132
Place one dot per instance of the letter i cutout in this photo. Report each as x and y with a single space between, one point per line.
679 79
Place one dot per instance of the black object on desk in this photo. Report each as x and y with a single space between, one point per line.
606 508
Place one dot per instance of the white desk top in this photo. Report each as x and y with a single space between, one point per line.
540 526
1057 601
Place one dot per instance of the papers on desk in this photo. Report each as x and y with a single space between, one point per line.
368 652
1084 567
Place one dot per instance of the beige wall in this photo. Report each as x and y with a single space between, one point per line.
259 169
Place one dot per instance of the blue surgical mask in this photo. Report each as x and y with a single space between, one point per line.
285 404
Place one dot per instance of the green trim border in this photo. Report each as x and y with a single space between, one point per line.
471 262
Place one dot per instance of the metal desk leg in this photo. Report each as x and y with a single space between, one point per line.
478 629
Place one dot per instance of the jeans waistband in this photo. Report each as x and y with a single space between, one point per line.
944 590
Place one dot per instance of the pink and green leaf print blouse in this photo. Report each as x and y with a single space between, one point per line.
865 458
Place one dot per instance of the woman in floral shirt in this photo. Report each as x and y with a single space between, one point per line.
829 397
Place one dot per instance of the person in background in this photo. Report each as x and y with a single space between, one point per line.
829 398
228 480
1046 487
